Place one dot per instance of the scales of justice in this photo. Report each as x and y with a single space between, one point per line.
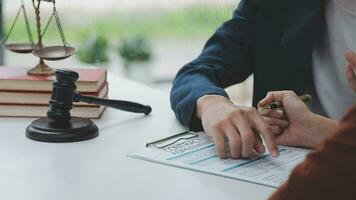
52 53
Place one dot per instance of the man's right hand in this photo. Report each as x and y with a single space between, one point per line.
242 126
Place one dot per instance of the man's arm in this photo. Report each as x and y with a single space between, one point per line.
200 102
224 61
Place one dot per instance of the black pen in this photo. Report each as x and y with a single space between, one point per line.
278 104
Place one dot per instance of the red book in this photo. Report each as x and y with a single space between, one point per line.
16 79
41 111
42 98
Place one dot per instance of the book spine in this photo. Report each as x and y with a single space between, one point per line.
29 98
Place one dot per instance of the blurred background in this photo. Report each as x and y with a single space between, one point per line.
144 40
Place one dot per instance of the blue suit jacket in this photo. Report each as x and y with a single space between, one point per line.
272 39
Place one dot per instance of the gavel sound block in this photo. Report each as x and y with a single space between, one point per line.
59 126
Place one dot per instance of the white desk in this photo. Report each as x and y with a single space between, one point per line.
99 168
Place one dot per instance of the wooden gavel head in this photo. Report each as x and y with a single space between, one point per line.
64 89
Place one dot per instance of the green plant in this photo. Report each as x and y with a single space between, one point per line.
135 49
94 49
197 21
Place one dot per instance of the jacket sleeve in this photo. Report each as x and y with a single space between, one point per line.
329 172
223 62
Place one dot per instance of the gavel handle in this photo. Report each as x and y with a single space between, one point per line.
121 105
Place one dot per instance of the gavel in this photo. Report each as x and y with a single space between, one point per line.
59 125
65 93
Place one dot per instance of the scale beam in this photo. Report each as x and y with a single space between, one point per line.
52 53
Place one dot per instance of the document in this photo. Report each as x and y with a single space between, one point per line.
196 151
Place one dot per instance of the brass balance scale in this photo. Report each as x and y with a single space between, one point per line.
51 53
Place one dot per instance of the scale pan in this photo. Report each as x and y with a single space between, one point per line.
20 47
55 52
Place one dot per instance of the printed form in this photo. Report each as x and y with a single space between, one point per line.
196 151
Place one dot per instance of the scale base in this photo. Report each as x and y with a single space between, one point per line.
41 69
75 130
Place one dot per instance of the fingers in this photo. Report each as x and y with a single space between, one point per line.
276 119
351 77
275 96
275 113
259 147
247 137
351 57
351 69
276 122
234 142
267 134
350 73
219 140
241 144
239 126
267 100
277 125
348 57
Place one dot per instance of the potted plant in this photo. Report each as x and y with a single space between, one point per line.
94 49
136 54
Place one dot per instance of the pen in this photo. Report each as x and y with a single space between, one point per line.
278 104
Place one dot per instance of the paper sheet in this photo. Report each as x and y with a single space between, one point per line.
199 154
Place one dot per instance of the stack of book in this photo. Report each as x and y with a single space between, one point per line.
22 95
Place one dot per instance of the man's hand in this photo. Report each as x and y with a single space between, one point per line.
270 116
305 129
351 69
240 125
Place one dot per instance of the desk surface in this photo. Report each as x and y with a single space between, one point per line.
99 168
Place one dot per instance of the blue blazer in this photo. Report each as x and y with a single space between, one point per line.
271 39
